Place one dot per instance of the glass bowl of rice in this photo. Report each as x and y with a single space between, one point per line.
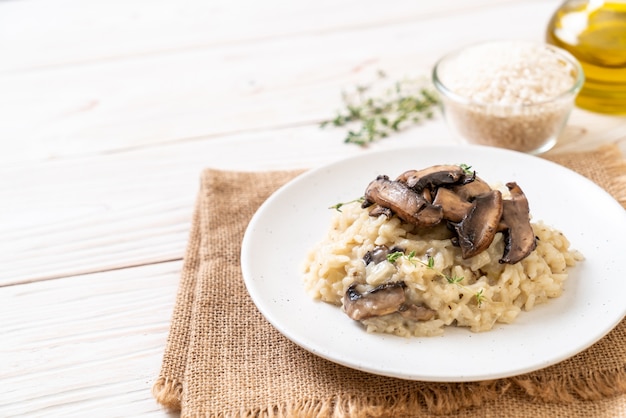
508 94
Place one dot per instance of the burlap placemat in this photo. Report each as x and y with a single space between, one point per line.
224 359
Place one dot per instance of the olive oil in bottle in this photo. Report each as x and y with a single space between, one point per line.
595 33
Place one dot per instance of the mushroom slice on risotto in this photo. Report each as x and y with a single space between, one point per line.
519 237
477 230
435 176
382 300
408 205
473 210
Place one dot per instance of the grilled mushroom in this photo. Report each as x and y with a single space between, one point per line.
380 210
469 191
472 209
408 205
385 299
376 255
381 300
519 237
477 230
379 254
453 206
433 177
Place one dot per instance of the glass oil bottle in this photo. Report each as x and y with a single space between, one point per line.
594 31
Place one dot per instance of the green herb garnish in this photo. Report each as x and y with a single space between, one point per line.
467 169
338 206
393 257
382 113
430 264
480 297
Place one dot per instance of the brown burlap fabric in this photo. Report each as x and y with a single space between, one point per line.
223 359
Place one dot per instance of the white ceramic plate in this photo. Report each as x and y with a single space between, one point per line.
292 220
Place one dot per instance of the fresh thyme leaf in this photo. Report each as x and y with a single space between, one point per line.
393 257
466 168
431 262
480 297
338 206
454 279
380 112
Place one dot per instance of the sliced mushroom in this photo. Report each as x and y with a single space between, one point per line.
417 312
376 255
469 191
519 237
381 300
473 211
379 254
408 205
429 216
477 230
453 206
377 211
433 177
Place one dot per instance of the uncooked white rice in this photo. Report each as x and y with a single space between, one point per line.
516 92
337 261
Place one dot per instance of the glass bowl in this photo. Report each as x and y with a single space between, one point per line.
508 94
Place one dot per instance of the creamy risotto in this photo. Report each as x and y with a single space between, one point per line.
417 279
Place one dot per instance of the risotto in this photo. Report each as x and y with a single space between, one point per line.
381 255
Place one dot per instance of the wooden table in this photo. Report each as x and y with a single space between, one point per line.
109 110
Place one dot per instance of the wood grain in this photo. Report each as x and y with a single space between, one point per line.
81 344
228 87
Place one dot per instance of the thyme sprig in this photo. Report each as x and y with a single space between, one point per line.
467 169
430 264
381 113
339 205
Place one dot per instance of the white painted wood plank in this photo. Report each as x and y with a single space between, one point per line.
86 345
88 214
228 88
78 32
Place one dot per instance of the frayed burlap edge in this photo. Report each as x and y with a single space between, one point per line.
591 386
168 393
446 399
